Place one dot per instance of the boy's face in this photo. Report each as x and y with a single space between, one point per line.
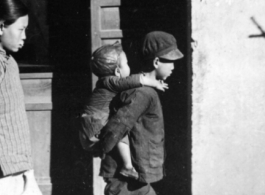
163 69
124 68
13 36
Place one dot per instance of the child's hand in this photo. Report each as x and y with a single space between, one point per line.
161 85
149 80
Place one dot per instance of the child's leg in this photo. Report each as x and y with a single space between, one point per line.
125 153
124 150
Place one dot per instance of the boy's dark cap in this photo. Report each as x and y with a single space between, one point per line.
161 44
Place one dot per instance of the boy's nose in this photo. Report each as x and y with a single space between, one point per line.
172 66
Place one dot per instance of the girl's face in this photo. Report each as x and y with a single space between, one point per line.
124 68
12 37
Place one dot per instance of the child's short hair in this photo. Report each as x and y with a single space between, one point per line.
106 59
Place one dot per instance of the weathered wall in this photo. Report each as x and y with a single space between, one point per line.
228 97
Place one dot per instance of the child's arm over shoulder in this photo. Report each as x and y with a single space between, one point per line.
147 80
118 84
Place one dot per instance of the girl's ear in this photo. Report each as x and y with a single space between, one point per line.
155 62
117 72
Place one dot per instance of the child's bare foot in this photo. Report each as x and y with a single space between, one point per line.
131 173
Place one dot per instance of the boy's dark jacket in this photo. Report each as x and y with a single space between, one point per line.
142 118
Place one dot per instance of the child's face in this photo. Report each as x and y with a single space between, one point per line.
124 68
13 36
164 69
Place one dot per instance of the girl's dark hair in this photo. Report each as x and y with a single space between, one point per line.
11 10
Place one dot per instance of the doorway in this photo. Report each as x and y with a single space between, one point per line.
128 22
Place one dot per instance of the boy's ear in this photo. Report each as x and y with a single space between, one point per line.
117 72
155 62
1 27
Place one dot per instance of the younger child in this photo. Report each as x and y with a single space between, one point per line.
109 63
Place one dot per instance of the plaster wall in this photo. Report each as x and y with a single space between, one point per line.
228 97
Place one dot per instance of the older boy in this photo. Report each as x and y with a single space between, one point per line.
142 118
109 63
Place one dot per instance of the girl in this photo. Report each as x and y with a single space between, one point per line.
16 171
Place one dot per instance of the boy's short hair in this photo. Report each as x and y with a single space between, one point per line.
106 59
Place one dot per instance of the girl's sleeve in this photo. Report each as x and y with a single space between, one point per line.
2 70
118 84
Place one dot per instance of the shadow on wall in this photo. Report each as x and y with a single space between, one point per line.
138 18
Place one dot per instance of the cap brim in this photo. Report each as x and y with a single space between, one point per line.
172 55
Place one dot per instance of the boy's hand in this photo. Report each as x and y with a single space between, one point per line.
161 85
